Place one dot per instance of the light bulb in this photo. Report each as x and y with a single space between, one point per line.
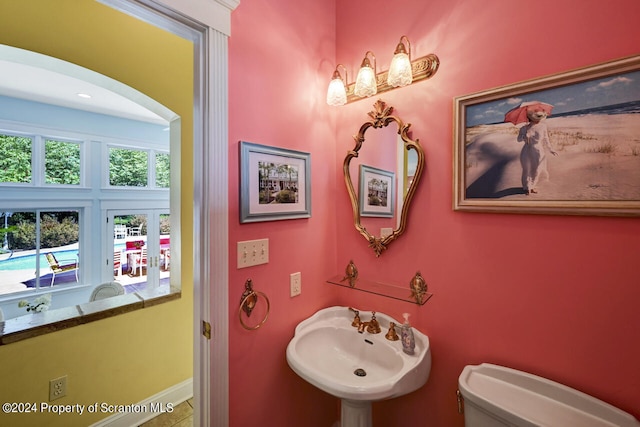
400 71
366 82
337 93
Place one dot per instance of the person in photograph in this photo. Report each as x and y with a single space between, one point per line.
533 156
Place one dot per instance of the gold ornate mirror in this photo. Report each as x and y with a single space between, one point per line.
387 172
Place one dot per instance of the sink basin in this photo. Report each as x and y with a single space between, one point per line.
329 353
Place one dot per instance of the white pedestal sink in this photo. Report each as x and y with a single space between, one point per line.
359 369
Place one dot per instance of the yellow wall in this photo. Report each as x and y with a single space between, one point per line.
130 357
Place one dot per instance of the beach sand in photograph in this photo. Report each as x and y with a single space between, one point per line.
598 159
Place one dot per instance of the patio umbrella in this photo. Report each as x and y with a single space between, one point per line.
519 114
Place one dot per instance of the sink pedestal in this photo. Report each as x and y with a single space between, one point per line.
355 413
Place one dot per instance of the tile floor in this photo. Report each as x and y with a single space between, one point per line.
182 416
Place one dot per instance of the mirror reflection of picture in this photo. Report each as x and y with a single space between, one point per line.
376 192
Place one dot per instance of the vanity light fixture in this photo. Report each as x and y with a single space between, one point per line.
337 92
366 84
403 71
400 69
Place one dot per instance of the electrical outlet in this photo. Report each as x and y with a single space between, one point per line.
295 281
57 388
253 252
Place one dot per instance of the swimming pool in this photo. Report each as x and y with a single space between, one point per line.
28 262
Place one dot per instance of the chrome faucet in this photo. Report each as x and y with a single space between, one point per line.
372 326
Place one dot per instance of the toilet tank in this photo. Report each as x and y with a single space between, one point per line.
497 396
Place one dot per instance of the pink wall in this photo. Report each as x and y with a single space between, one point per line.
280 57
556 296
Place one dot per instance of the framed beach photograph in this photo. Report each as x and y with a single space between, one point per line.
376 195
275 183
565 144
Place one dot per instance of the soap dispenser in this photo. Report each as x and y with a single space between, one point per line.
406 336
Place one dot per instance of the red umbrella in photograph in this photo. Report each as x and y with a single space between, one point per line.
519 114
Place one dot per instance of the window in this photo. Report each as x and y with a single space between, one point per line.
141 247
20 155
128 167
45 245
15 158
163 170
62 162
56 170
50 219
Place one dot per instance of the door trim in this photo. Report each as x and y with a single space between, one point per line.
210 224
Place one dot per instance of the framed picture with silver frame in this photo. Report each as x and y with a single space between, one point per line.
275 183
376 195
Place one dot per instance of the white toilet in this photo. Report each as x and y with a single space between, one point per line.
494 396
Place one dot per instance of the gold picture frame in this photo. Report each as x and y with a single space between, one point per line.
590 163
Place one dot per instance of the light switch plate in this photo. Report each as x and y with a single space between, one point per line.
253 252
295 282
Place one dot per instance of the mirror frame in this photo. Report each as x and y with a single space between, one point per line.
381 117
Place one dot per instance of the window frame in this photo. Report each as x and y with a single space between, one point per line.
33 145
42 269
151 150
91 198
82 152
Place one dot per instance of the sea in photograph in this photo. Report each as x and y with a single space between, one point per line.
632 107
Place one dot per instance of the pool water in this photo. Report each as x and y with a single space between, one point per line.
28 262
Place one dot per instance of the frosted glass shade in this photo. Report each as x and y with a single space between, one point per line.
366 83
400 71
337 93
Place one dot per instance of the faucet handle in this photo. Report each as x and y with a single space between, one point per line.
374 326
356 320
392 335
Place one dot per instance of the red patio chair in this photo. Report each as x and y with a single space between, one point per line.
117 263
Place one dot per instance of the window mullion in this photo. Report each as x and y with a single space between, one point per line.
152 169
38 240
38 161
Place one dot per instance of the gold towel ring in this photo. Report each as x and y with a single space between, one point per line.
251 298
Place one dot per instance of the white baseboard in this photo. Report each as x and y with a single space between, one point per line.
151 407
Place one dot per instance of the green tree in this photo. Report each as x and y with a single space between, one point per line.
15 158
5 231
23 235
62 162
165 224
163 170
139 220
128 167
56 229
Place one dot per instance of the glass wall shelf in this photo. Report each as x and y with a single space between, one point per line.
382 289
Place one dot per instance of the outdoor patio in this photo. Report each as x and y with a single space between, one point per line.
19 280
130 268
